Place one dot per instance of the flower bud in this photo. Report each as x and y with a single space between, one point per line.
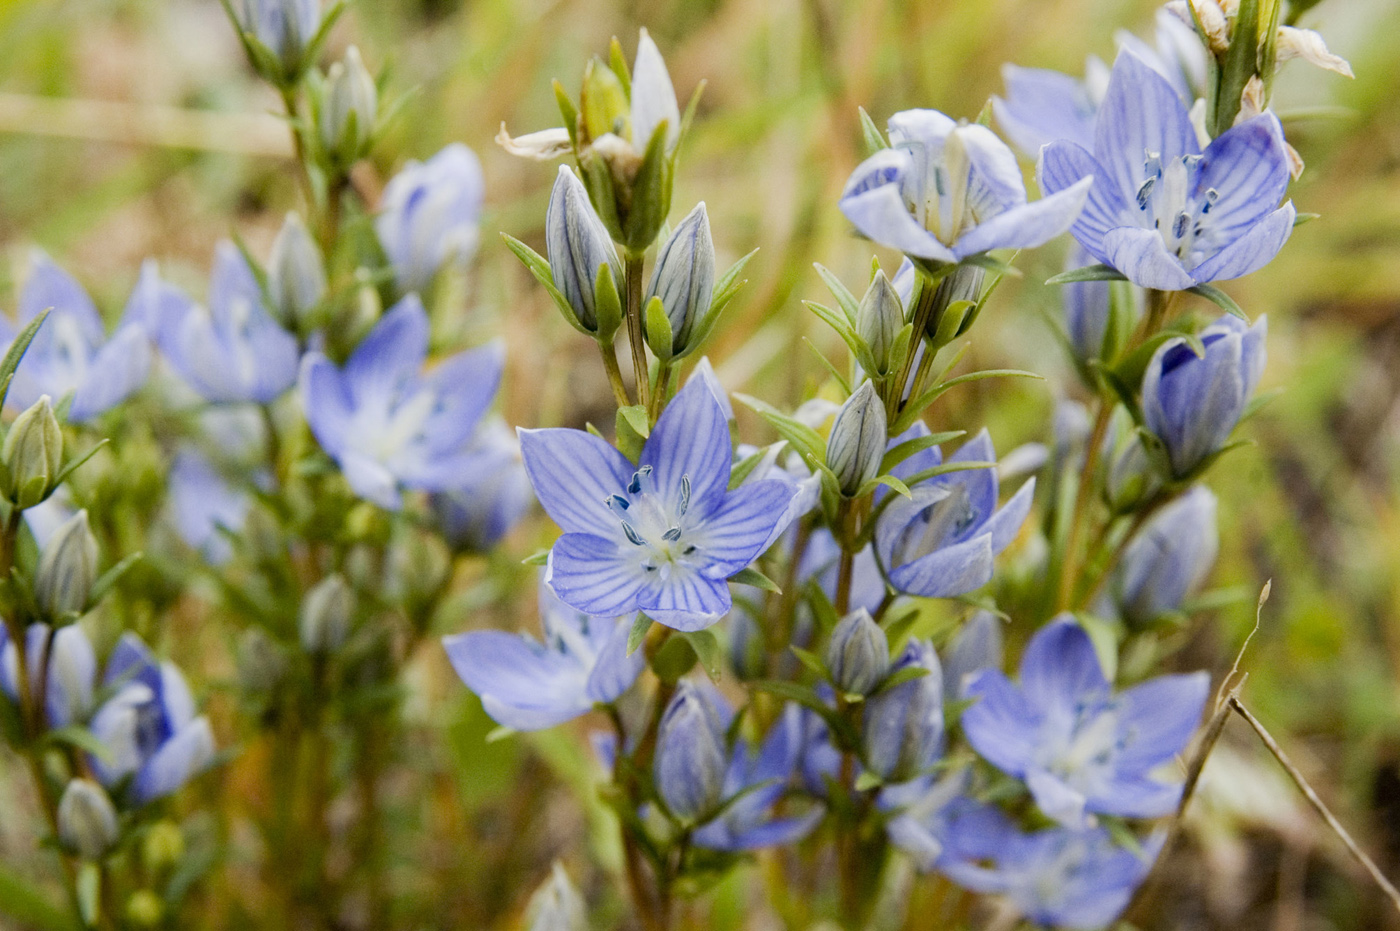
858 655
578 246
284 28
1132 478
684 279
691 758
260 662
857 441
746 647
33 454
903 725
325 615
163 847
1192 403
350 108
420 564
977 646
67 569
879 320
557 905
144 909
296 276
1168 561
87 822
963 284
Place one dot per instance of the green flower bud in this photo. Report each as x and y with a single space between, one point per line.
350 108
144 909
963 284
67 569
420 564
33 454
684 279
261 663
858 656
557 905
163 847
87 822
879 320
857 441
296 275
325 615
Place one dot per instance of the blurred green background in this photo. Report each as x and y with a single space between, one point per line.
133 128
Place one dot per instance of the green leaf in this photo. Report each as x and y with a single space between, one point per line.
1222 300
497 734
29 907
607 306
17 350
83 739
707 650
536 559
1088 273
946 468
899 677
638 633
658 329
89 892
805 441
74 464
568 111
889 481
618 63
917 445
918 405
868 781
870 133
112 576
993 264
633 427
829 366
1105 635
1302 218
1131 367
847 301
751 576
811 660
823 611
539 268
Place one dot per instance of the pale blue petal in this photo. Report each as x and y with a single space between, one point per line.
1158 718
573 474
522 684
614 671
49 287
117 370
994 182
325 402
1143 258
740 529
391 354
1042 106
371 480
178 760
1136 797
1006 522
594 575
1140 114
947 572
1060 669
1247 167
465 385
1252 251
1028 225
690 441
1001 724
1063 165
687 601
1055 799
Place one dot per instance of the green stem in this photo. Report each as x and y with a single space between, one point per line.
632 272
609 354
1069 566
922 311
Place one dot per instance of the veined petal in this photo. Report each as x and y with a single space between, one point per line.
1158 718
391 353
1042 106
994 182
1006 522
1028 225
688 601
1000 723
948 571
528 686
1250 252
881 214
980 485
614 671
117 370
592 574
1247 168
1140 114
691 441
1141 255
739 529
927 129
1063 165
653 96
573 474
1059 668
325 402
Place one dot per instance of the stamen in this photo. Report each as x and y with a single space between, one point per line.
685 496
672 535
1145 192
632 534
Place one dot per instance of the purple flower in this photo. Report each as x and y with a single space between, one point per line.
940 542
903 725
495 495
1055 878
529 685
71 354
663 536
1192 403
389 424
149 725
232 352
1079 746
72 668
430 215
1161 211
944 192
205 506
1168 560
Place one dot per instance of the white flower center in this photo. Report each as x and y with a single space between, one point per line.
1167 203
654 525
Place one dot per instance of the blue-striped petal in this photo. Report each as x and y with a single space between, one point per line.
573 473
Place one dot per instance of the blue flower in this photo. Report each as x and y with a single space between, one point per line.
1086 308
494 497
1168 560
149 725
387 423
977 645
663 536
1055 878
1161 211
71 671
430 214
1079 746
940 542
529 685
234 351
71 354
903 725
1192 403
205 506
944 192
284 27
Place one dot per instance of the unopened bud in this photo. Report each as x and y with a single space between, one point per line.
350 108
284 28
163 847
857 441
87 822
261 663
690 753
144 909
33 454
903 725
603 102
684 279
296 276
557 905
419 566
858 656
963 284
578 246
67 569
879 320
325 615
